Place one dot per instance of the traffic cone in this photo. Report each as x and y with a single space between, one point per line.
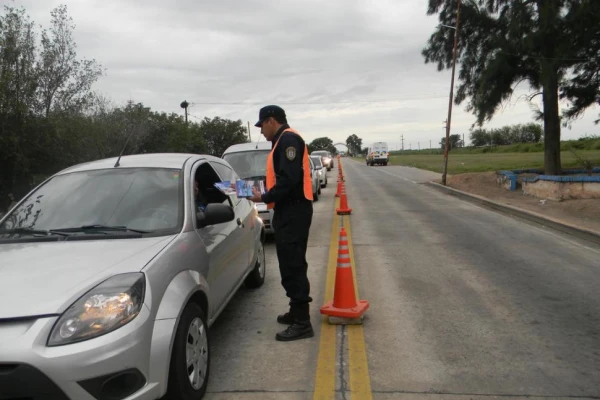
344 308
339 188
344 209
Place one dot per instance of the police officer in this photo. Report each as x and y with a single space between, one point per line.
289 193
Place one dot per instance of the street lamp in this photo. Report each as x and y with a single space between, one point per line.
184 104
447 141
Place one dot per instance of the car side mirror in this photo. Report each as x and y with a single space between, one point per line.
214 214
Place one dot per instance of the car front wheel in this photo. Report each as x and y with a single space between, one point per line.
257 276
190 360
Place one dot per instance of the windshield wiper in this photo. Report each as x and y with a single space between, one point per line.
98 227
29 231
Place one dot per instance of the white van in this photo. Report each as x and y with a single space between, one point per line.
378 154
249 161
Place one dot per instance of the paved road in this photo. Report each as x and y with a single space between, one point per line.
468 301
465 303
247 361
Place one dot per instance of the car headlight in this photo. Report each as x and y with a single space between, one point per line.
105 308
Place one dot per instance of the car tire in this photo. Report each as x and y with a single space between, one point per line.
192 327
316 195
256 278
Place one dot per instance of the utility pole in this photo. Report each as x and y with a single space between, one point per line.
446 144
402 139
184 104
249 137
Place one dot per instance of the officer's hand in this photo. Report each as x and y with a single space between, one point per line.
256 195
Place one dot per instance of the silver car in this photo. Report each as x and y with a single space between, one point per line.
111 274
314 174
321 170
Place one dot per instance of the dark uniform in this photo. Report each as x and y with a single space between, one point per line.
291 222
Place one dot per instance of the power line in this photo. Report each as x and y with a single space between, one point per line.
253 103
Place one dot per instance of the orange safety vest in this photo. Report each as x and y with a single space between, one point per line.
308 194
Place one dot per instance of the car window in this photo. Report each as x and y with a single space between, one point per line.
227 174
138 198
248 164
317 161
206 177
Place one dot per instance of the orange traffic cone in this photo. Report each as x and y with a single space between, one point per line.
344 209
339 188
344 302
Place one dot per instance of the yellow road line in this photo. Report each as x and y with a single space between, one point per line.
360 381
325 374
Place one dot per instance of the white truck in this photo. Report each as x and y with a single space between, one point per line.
378 154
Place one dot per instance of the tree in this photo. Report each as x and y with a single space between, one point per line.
322 143
455 141
553 45
64 81
354 144
221 133
17 94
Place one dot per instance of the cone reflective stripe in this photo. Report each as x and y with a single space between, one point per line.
344 302
344 209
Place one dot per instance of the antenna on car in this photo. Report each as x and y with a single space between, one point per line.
122 150
256 148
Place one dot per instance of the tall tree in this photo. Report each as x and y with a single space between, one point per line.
553 45
64 81
354 144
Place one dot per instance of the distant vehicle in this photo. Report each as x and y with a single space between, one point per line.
321 170
378 154
314 174
249 161
342 154
326 158
112 275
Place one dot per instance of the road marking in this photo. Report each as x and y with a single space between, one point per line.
326 361
360 381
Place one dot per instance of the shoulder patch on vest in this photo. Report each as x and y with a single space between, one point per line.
290 153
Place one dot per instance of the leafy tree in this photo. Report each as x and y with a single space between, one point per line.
64 82
354 144
455 141
553 45
322 143
221 133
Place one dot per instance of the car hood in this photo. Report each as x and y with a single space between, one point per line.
46 278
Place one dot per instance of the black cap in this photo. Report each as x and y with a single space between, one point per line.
269 111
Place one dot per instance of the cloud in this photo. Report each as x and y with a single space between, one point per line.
338 67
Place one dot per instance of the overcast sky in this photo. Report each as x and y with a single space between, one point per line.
337 66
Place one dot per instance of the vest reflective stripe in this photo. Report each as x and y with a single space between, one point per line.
307 178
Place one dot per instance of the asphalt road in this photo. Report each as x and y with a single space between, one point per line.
465 303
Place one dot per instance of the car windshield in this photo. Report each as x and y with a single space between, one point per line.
319 153
317 161
147 199
248 164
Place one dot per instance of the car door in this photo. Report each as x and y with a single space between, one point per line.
225 256
244 209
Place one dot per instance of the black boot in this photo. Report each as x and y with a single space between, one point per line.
300 327
285 319
298 330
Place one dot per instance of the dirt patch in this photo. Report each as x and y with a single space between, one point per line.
584 213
